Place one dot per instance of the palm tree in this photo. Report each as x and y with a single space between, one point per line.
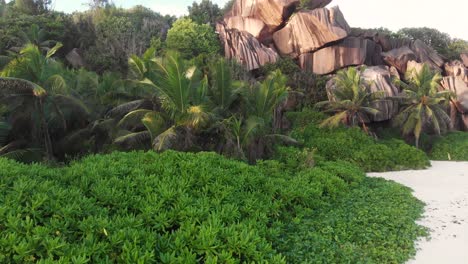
253 133
423 104
54 108
351 101
182 92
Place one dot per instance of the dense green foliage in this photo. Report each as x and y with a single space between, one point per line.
205 12
198 208
371 224
353 145
192 39
453 146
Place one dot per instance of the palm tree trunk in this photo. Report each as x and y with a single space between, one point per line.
47 141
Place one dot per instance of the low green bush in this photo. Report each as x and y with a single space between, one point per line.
196 208
353 145
373 223
453 146
149 208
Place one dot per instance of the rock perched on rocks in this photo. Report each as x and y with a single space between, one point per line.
75 59
254 26
308 31
456 69
380 79
399 58
464 58
271 12
351 51
426 54
245 48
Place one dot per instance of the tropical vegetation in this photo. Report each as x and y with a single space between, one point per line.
126 137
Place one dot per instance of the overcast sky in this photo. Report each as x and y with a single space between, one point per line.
450 16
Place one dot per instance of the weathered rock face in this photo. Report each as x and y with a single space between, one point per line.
460 89
464 58
271 12
245 48
308 31
380 78
399 58
425 54
254 26
459 107
75 59
349 52
456 69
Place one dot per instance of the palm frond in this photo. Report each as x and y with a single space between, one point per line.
123 109
165 140
133 118
154 123
335 120
53 50
136 140
29 155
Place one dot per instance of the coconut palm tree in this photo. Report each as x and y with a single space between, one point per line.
182 93
56 110
423 104
253 132
351 101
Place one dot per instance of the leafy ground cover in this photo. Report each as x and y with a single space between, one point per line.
453 146
353 145
200 208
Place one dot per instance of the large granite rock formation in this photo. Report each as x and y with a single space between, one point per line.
310 30
459 106
380 79
456 69
245 48
460 89
426 54
399 58
271 12
254 26
351 51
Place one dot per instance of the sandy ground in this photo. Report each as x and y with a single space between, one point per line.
444 189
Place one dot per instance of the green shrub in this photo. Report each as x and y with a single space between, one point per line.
192 39
373 223
199 208
453 146
150 208
353 145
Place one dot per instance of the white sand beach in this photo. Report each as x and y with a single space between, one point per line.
444 189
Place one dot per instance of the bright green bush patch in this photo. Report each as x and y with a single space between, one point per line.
196 208
352 145
453 146
150 208
374 223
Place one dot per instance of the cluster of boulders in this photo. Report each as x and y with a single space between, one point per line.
257 32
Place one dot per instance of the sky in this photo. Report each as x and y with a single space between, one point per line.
448 16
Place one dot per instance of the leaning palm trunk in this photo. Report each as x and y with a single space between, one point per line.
45 130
